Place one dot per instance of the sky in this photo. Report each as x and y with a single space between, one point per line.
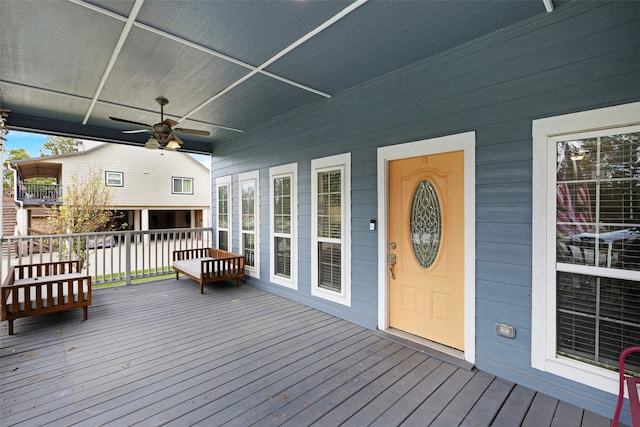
32 142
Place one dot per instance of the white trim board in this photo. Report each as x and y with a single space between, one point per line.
460 142
543 299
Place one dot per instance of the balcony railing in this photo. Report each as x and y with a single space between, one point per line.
39 194
109 257
7 195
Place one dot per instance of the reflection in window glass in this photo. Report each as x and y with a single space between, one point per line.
283 256
330 204
114 179
282 225
330 266
223 217
248 223
282 204
597 225
329 220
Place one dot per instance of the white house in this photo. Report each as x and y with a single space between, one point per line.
152 189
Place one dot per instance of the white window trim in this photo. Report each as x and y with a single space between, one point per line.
222 181
342 162
543 310
120 176
251 176
182 179
275 172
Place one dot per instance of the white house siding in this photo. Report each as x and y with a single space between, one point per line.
147 175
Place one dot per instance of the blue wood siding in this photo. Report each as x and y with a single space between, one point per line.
581 56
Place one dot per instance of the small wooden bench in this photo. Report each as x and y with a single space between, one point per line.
34 289
206 265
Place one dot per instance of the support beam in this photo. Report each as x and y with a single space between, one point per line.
114 55
353 6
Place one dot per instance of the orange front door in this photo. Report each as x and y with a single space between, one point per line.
426 247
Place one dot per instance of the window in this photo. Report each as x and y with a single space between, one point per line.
586 243
284 222
223 191
182 185
330 228
114 179
249 222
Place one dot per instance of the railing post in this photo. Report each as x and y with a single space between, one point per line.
2 243
127 258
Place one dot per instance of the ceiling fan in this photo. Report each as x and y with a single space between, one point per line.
163 135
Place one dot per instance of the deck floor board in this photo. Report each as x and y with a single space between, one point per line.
161 353
453 414
515 408
489 404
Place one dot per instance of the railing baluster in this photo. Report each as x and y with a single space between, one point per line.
135 260
127 258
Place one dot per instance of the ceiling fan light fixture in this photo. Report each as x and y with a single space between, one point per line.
172 145
152 143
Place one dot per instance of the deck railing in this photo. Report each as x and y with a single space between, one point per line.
109 257
39 194
7 195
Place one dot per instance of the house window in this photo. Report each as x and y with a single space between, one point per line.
284 219
586 243
182 185
249 223
223 191
114 179
330 228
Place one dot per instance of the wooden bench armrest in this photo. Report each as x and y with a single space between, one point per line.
45 294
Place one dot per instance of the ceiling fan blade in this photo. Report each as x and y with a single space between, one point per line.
178 140
135 131
193 131
169 122
129 121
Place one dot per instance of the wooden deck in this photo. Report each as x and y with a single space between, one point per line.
161 353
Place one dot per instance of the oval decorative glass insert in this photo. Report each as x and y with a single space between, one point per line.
425 224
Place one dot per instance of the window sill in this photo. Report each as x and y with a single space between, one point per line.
580 372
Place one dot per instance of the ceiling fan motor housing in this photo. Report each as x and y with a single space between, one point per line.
161 132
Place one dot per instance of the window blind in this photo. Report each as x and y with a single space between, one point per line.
598 228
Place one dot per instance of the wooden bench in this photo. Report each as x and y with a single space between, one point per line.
206 265
34 289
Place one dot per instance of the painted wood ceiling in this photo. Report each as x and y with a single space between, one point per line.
225 66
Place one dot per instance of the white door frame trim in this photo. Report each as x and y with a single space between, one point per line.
467 143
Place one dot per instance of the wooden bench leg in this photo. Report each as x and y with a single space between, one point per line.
11 327
85 313
202 287
238 282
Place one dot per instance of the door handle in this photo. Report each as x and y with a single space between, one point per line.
392 263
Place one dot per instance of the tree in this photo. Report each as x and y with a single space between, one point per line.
58 145
14 154
84 209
